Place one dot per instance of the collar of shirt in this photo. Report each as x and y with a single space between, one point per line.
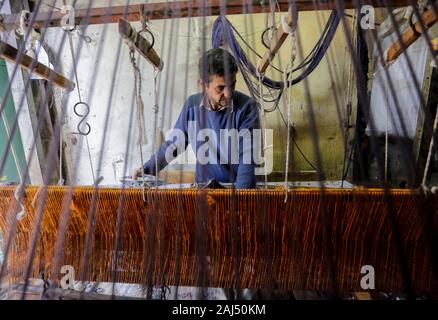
206 105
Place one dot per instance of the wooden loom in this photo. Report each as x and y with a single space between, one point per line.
266 242
317 240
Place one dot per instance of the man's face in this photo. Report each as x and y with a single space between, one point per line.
218 91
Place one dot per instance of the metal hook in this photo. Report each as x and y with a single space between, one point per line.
152 36
83 116
144 27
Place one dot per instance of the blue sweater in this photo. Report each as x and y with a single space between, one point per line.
211 136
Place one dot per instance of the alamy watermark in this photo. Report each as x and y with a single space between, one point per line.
368 280
367 17
230 146
68 280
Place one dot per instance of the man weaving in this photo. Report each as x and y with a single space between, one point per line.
209 121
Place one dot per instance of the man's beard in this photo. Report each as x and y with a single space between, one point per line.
219 104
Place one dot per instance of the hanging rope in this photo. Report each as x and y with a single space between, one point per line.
140 112
348 150
61 179
155 109
14 153
386 136
18 195
429 155
263 123
288 98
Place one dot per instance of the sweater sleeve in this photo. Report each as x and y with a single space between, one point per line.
172 147
249 121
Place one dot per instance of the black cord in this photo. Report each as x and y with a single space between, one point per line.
296 144
263 36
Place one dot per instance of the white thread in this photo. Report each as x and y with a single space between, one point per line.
17 195
14 154
264 147
429 155
156 73
286 28
61 180
140 113
386 136
288 104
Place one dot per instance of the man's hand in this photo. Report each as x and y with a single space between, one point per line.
137 173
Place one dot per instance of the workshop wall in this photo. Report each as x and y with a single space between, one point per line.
106 82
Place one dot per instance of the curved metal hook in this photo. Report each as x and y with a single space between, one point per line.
152 36
83 116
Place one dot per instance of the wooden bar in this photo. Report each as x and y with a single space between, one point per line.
178 9
10 53
276 43
411 34
140 44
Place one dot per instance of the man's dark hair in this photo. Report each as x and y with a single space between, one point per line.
216 62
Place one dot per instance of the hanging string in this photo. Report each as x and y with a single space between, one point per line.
348 150
386 136
81 102
288 98
272 16
155 109
263 123
140 113
18 195
14 153
61 179
19 189
429 155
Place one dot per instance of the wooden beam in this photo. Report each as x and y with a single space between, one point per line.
140 44
11 54
179 9
276 43
411 34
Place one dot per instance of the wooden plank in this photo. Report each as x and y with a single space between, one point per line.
411 34
140 44
179 9
11 54
276 43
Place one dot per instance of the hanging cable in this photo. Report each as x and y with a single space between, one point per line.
222 29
